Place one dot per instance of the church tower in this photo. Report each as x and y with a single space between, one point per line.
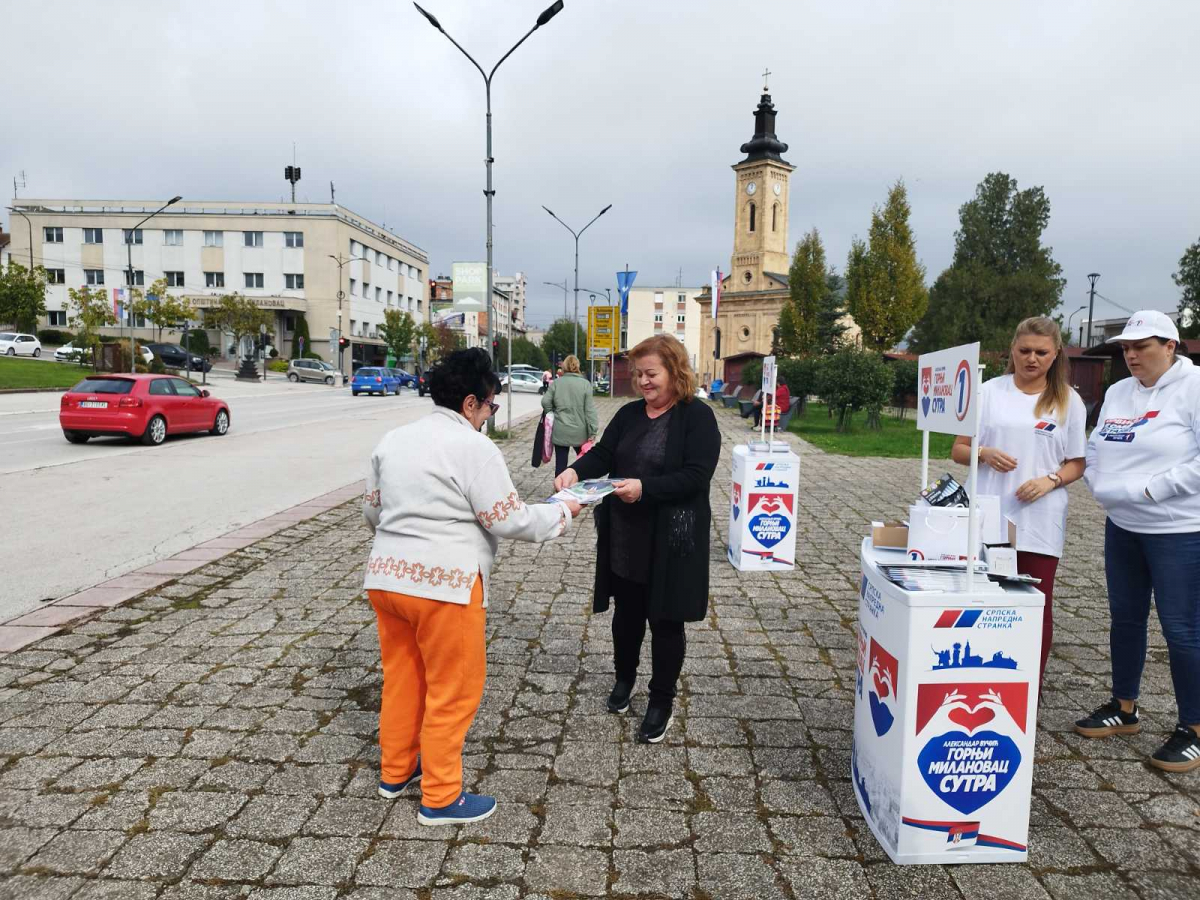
760 242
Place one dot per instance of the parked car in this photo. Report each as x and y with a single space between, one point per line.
406 379
311 370
522 382
141 407
71 353
177 358
14 343
374 380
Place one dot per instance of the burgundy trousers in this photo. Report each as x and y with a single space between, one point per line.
1039 565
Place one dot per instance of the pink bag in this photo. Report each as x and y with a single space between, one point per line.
547 443
587 445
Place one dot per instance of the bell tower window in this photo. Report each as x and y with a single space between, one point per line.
752 212
774 217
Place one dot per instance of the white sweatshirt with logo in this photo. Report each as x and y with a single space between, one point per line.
1148 439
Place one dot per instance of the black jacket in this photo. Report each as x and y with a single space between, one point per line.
682 520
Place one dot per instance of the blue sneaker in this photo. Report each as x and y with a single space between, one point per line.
467 808
392 791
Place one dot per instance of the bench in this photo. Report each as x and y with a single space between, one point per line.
730 400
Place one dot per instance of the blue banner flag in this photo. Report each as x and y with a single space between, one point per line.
624 283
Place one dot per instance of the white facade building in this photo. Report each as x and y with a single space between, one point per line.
663 310
277 254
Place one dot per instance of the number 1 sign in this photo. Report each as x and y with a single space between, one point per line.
947 399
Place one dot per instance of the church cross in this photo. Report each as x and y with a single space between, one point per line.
766 75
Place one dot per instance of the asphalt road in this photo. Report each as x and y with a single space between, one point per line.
75 515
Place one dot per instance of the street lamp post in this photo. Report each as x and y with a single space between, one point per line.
547 14
565 289
576 235
1091 303
341 295
129 297
1071 317
28 222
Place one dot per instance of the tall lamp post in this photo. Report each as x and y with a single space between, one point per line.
576 235
565 289
1091 303
1071 318
547 14
28 222
129 269
341 295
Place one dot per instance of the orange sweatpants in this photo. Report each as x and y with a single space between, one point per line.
434 664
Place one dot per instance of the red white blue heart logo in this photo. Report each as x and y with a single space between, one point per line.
968 771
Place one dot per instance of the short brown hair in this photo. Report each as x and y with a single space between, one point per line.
570 364
674 359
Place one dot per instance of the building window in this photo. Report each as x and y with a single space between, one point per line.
254 279
293 239
174 279
172 237
753 211
56 276
289 323
293 282
352 324
214 279
366 291
139 277
94 276
682 299
389 299
252 238
378 295
658 300
58 318
681 318
133 235
352 285
658 317
391 264
52 235
93 235
214 239
355 248
774 216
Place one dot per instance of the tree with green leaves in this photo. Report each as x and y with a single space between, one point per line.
398 331
236 315
807 287
851 380
22 295
161 308
1187 279
446 340
831 324
1001 272
786 341
524 353
886 291
559 340
300 337
89 310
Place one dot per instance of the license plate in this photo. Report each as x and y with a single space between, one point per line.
93 404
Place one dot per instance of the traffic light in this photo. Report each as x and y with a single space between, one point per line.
495 348
343 343
291 173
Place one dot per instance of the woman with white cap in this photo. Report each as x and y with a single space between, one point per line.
1143 466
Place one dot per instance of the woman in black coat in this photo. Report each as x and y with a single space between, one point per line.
652 532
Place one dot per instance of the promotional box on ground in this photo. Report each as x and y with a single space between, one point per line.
762 507
945 712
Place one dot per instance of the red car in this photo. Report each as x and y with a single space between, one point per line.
146 407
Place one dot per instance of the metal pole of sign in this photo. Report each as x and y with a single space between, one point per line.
972 478
262 348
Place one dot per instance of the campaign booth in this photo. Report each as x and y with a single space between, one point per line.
762 503
945 703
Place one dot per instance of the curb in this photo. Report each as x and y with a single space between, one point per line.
50 618
34 390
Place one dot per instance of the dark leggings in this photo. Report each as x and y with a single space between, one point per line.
668 644
1039 565
560 458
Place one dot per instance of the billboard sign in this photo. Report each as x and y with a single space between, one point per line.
604 331
470 287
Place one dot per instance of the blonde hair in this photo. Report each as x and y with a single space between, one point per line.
674 359
1057 393
570 364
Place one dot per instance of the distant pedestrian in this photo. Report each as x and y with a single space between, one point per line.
652 533
546 379
575 418
776 406
1143 466
437 515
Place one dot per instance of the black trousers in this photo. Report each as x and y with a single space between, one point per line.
631 602
560 458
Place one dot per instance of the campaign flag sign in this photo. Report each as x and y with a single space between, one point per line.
624 283
716 290
946 389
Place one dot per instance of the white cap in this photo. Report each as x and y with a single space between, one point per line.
1147 323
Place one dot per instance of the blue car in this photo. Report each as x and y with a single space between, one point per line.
407 379
371 380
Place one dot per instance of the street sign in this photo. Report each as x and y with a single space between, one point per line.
604 331
470 286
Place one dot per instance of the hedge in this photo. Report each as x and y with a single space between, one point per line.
55 337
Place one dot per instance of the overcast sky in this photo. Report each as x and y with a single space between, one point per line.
638 103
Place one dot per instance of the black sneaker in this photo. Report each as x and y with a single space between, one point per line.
1181 752
654 726
618 700
1109 719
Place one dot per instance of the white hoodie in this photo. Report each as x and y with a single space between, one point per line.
1148 439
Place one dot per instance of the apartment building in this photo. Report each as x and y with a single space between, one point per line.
291 259
663 310
508 306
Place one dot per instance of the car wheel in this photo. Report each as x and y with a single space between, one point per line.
354 393
293 377
37 351
221 424
12 351
329 380
156 432
76 437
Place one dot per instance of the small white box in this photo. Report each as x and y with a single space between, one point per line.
1000 560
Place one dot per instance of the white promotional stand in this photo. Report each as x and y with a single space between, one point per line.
945 705
762 503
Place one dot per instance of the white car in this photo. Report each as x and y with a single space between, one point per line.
13 343
71 353
522 382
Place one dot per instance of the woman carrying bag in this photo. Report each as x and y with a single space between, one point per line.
1144 469
1032 436
652 533
575 419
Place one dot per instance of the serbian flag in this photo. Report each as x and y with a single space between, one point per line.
119 304
716 290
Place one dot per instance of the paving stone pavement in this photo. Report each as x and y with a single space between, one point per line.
214 738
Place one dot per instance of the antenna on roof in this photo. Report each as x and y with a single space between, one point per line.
18 179
331 194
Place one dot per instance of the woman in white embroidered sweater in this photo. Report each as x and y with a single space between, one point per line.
438 497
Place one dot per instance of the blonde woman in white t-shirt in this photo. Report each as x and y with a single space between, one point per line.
1032 442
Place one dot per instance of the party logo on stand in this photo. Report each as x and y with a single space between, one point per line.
772 519
737 500
882 680
926 384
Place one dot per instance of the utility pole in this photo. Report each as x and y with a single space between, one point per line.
1091 303
341 295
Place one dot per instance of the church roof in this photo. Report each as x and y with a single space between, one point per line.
764 144
775 276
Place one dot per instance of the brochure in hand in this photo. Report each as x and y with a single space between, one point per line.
588 492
